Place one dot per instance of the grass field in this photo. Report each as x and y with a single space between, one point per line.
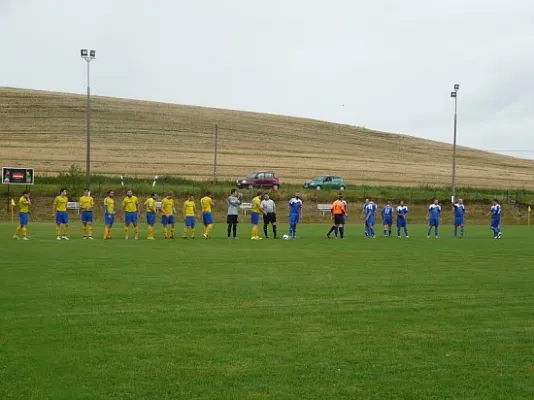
307 319
141 138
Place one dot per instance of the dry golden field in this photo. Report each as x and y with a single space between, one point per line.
46 130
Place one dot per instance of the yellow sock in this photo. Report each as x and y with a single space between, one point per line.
254 231
208 229
185 231
24 231
205 230
150 231
84 230
57 230
106 232
136 230
65 230
90 230
173 230
126 231
19 228
165 233
192 232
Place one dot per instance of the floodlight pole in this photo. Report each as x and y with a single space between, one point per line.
88 57
454 95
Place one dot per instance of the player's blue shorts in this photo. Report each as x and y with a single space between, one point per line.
371 221
495 222
87 216
207 218
458 221
109 219
388 221
401 223
150 218
190 222
254 218
294 218
167 220
23 218
130 218
62 217
433 222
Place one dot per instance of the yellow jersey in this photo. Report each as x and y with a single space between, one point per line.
167 206
206 203
86 203
256 205
60 203
24 205
109 205
130 204
150 205
190 209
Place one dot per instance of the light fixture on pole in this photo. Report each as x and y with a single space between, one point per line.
88 56
454 95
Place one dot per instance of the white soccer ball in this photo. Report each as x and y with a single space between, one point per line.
285 237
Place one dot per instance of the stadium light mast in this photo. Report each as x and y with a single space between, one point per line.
88 56
454 95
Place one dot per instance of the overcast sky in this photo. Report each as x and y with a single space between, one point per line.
387 65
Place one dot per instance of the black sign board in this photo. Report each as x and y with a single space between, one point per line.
17 176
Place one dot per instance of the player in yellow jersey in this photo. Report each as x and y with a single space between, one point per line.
130 204
167 215
86 204
207 204
150 207
255 216
109 214
24 214
62 217
190 212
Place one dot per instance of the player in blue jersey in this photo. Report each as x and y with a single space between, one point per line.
459 212
362 216
434 213
387 218
370 214
402 210
295 214
495 221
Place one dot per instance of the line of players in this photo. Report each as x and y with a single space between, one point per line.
433 217
261 205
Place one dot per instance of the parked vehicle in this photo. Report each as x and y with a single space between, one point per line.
262 179
326 182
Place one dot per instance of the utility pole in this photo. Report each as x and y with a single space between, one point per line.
454 95
88 56
216 142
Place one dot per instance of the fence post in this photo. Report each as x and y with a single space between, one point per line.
215 145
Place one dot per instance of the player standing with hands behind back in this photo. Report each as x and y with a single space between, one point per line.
234 201
268 207
86 204
131 214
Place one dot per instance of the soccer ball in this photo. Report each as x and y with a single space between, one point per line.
285 237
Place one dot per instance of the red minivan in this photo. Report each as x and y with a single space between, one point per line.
263 179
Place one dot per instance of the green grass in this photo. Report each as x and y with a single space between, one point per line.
307 319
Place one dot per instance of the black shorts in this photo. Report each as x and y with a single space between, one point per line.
339 219
231 219
269 218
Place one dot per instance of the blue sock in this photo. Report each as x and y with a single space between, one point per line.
398 231
462 232
437 231
406 231
429 231
341 231
294 230
372 232
336 230
389 232
385 232
455 231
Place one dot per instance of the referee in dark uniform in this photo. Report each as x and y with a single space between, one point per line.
268 207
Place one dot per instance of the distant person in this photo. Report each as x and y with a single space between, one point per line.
370 217
130 204
151 209
255 213
402 211
190 213
87 204
268 207
109 214
434 213
295 214
167 216
387 218
206 204
62 217
362 216
459 212
495 221
339 211
232 216
24 216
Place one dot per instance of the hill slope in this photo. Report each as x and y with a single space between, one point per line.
46 130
